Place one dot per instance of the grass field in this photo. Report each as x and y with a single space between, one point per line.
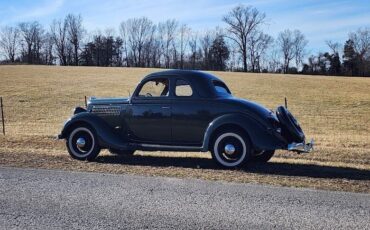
335 111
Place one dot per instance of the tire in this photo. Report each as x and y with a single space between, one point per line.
239 148
122 152
263 156
88 149
292 131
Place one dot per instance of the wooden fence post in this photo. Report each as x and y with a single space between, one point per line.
85 102
2 114
286 103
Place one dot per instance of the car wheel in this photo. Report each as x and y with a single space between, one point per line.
231 149
263 156
82 143
121 152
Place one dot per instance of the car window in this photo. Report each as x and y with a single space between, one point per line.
221 88
155 88
183 88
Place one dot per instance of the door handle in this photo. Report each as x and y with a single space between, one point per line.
165 107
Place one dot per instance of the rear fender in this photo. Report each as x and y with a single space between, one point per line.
107 136
259 134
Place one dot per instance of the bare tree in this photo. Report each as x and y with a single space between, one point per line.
75 34
193 44
361 42
48 49
258 44
168 33
9 41
286 44
124 37
334 46
58 30
32 37
137 33
299 44
242 21
206 44
184 38
274 60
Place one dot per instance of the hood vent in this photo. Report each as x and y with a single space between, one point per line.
106 110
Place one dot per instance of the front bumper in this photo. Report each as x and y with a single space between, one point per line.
302 147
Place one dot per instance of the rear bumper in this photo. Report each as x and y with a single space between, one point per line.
302 147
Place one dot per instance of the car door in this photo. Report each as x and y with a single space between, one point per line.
190 115
150 112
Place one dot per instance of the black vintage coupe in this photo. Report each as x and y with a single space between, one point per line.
180 110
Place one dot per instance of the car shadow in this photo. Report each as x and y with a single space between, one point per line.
270 168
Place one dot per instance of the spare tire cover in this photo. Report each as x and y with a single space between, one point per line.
291 129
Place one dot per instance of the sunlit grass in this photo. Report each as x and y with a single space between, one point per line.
335 111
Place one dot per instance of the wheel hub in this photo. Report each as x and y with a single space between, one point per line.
81 142
229 149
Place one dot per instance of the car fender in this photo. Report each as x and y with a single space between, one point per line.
107 137
260 136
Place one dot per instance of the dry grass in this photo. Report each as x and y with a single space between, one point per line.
334 111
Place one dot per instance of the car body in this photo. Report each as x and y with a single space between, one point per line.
178 110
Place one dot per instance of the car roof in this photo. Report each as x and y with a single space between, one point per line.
187 74
201 81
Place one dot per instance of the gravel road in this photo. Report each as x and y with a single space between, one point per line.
44 199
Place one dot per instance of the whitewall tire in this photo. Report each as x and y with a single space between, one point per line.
82 143
231 149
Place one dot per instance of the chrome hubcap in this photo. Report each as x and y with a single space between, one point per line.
81 142
229 149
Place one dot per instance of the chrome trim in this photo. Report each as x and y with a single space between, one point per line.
80 142
229 149
106 110
170 146
302 147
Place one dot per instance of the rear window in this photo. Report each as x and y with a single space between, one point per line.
221 88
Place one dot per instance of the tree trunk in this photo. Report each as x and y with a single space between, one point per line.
76 55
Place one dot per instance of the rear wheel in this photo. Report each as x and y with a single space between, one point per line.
263 156
231 148
82 143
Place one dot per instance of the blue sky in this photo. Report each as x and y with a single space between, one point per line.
319 20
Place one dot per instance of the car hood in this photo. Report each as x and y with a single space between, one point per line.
107 101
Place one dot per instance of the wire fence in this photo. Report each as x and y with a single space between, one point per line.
23 117
2 115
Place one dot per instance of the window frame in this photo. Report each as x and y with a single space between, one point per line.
175 85
141 85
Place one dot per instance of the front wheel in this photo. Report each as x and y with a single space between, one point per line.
231 149
82 143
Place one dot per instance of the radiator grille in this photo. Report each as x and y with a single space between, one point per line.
106 110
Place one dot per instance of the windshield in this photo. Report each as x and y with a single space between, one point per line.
221 88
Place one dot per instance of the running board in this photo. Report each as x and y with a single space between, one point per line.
151 147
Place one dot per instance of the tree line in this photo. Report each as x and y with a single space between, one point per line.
240 45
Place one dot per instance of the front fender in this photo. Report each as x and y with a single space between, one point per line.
260 136
107 137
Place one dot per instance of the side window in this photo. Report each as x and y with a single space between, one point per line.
183 88
221 88
155 88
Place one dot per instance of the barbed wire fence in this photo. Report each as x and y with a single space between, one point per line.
2 115
23 116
